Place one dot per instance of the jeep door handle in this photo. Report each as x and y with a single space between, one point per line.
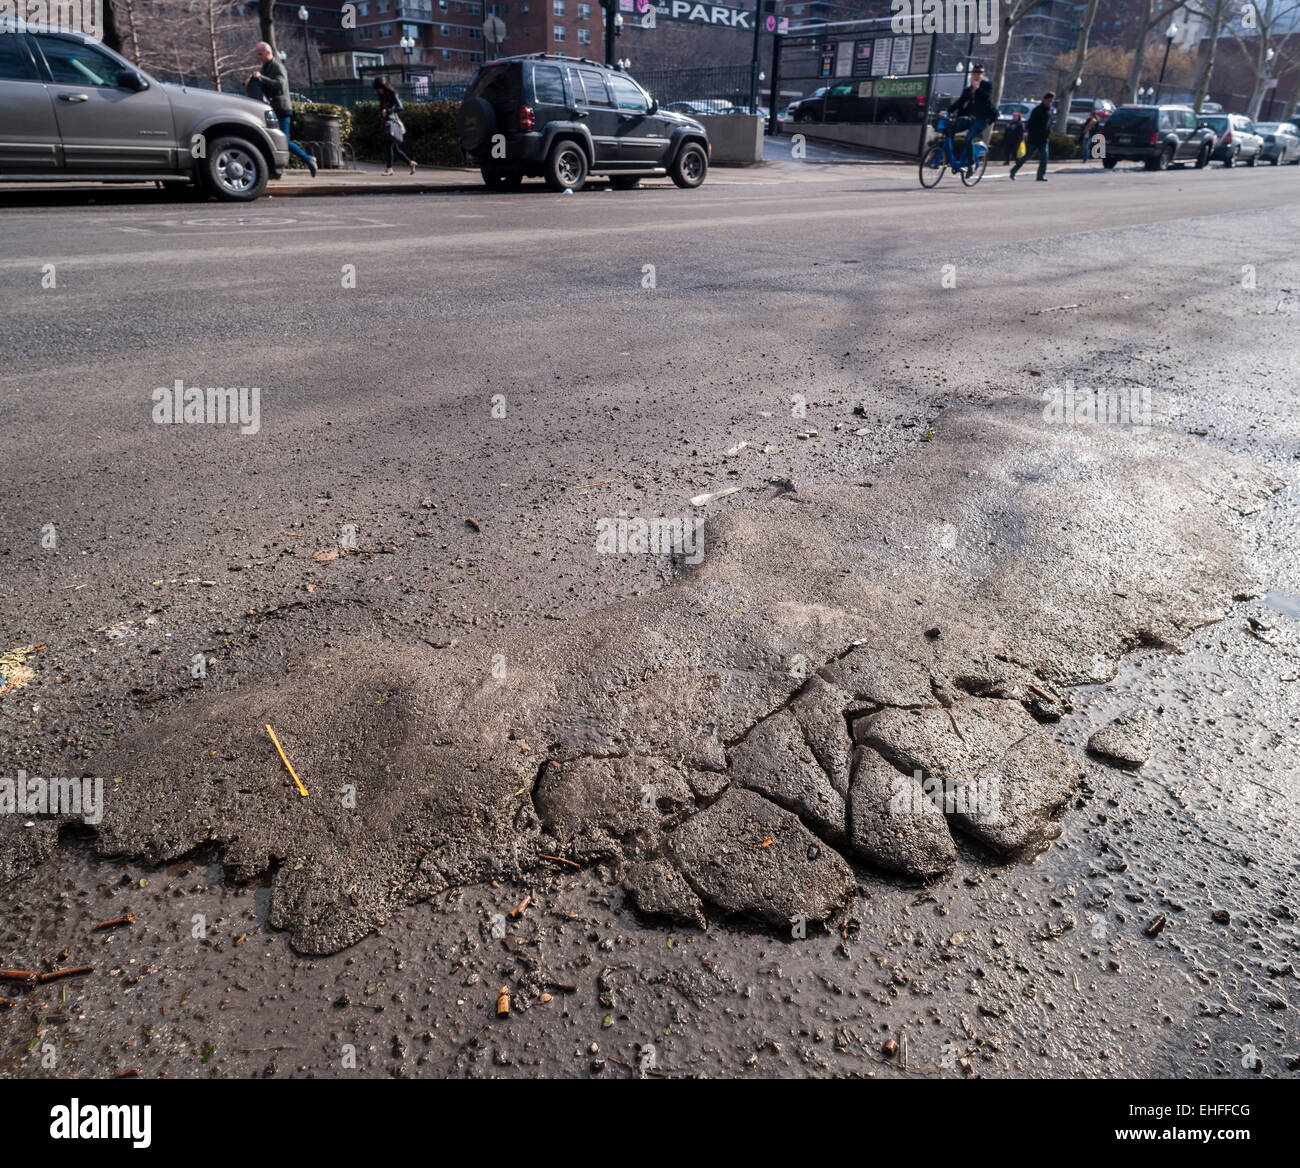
72 97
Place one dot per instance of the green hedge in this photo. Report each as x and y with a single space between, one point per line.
1061 147
431 134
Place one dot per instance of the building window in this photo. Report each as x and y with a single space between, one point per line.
445 29
385 31
366 32
584 11
381 5
558 6
584 36
559 32
363 8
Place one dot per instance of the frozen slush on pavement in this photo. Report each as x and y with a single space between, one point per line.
666 734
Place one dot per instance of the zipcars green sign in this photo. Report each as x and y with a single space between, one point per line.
900 87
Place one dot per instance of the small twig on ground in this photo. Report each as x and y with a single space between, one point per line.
74 971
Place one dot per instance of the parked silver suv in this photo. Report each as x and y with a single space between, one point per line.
76 111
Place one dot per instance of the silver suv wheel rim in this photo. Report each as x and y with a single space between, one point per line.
692 165
236 170
569 167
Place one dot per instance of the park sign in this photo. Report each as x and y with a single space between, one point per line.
719 15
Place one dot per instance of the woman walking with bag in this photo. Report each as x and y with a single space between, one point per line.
390 106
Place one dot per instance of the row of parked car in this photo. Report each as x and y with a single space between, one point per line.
1160 136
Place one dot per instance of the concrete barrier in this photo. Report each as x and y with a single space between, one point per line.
737 139
899 138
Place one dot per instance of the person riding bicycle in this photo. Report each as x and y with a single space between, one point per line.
975 102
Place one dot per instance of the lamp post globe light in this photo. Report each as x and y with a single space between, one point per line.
304 16
1170 33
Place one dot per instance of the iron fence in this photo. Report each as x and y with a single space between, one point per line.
349 93
708 89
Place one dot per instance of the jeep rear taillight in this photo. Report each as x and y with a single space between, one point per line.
1227 138
525 117
1155 140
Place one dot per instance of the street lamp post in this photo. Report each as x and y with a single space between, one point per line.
1170 33
613 28
407 45
304 16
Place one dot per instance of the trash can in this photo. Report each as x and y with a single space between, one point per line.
322 138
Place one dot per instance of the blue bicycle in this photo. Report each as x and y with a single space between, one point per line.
970 163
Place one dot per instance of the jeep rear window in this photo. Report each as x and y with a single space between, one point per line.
1131 121
1217 124
494 86
548 85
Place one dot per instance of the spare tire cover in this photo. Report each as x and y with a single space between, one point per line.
478 122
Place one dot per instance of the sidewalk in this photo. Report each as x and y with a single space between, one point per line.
367 178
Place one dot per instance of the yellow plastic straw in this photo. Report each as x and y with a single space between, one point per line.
288 765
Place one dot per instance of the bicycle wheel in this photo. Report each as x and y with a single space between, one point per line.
977 171
932 167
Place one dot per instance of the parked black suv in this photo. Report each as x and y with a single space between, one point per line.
565 118
1157 135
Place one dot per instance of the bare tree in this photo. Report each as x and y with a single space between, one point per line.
1151 17
223 57
1013 12
1080 55
193 41
1260 27
1214 13
266 20
112 34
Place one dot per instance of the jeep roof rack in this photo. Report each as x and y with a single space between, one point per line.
552 57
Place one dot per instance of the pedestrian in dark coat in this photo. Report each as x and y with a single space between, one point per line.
272 79
390 108
1038 136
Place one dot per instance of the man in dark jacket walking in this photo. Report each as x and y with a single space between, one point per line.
976 102
1038 134
274 81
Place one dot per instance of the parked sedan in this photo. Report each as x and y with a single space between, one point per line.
1008 108
1235 139
798 111
704 106
1082 108
1281 142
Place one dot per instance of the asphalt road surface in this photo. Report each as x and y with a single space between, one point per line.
533 362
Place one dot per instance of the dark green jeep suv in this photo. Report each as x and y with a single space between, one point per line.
563 119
